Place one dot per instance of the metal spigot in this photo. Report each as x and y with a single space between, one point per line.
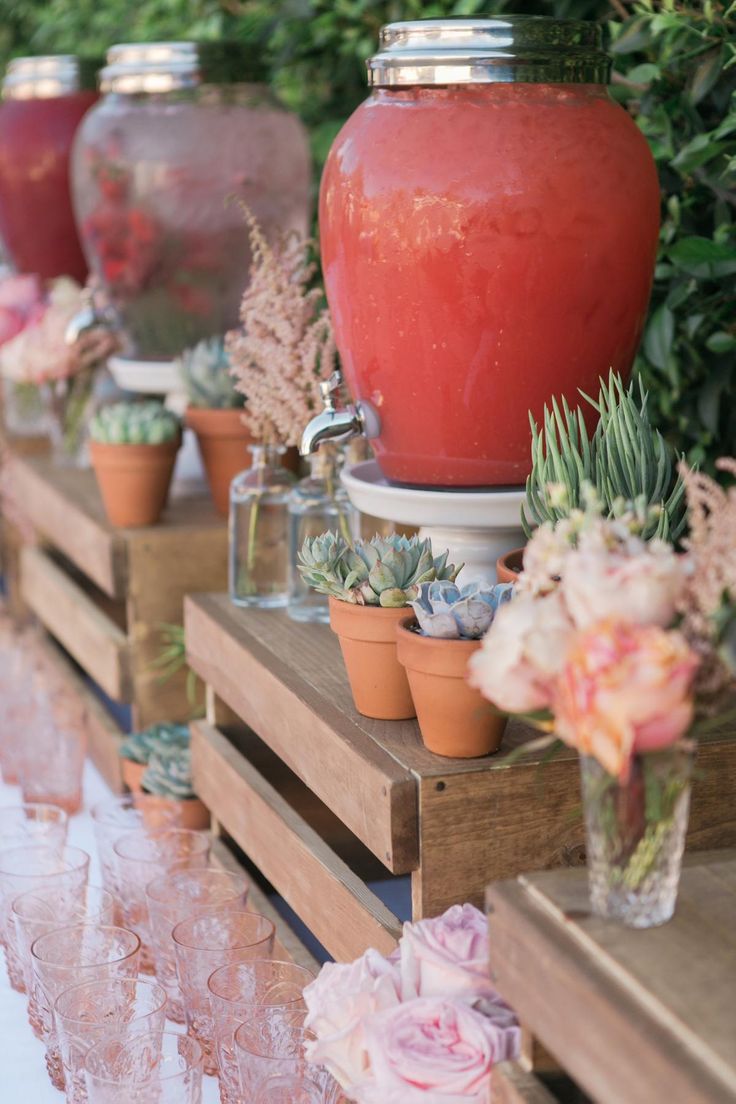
88 317
338 425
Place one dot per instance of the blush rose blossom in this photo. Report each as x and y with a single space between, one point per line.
446 956
625 689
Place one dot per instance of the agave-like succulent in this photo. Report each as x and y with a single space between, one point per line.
159 738
205 373
450 612
134 423
169 773
627 461
384 571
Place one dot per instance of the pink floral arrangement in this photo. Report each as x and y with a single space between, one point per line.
619 645
21 304
37 353
422 1025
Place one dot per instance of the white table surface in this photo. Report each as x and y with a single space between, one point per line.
23 1078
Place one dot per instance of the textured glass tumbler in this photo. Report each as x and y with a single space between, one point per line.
25 868
116 1009
178 897
34 823
236 992
46 909
634 855
141 857
51 764
69 956
272 1062
204 943
128 813
152 1068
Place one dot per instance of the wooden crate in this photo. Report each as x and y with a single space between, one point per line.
634 1016
103 593
453 824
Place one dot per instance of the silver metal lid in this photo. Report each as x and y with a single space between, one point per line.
515 48
42 78
170 66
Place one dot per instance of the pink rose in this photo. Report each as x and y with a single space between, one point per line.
339 1002
446 956
522 653
625 689
433 1050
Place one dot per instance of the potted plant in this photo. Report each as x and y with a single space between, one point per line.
369 585
625 460
434 647
168 777
215 414
133 449
137 749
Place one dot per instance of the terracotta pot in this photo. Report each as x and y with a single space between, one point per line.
223 445
508 567
455 720
192 813
368 642
134 480
132 774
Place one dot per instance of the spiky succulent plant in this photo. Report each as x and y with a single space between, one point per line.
169 774
134 423
449 612
205 373
157 739
627 461
384 571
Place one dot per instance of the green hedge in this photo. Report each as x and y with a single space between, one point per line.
675 70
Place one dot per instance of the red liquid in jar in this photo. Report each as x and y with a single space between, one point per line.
485 247
36 219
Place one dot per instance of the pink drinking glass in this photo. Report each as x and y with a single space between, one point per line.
29 867
51 764
152 1068
177 897
115 1009
69 956
128 813
45 909
272 1063
201 945
140 858
17 702
237 992
32 823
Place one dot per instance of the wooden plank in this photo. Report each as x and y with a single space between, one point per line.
335 905
482 826
64 505
656 1009
103 734
513 1085
95 641
330 751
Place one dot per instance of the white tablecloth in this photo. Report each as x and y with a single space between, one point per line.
23 1078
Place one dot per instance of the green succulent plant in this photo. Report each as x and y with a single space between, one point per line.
384 571
205 373
158 739
134 423
627 461
169 774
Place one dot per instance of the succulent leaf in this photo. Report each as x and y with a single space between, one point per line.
206 374
449 612
134 423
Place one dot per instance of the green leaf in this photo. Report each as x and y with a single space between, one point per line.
643 74
706 75
721 342
703 258
699 151
659 336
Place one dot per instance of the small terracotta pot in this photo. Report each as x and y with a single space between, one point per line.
368 642
455 720
508 567
134 480
223 445
132 774
192 813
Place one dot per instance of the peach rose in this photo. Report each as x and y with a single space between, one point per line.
446 956
625 689
522 653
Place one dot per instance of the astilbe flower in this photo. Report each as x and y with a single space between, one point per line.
285 346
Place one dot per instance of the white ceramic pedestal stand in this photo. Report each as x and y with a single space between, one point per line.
476 526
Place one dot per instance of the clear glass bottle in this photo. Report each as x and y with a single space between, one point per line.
317 503
259 531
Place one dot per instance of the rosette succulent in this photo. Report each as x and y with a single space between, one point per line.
134 423
205 373
449 612
169 774
139 747
384 571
